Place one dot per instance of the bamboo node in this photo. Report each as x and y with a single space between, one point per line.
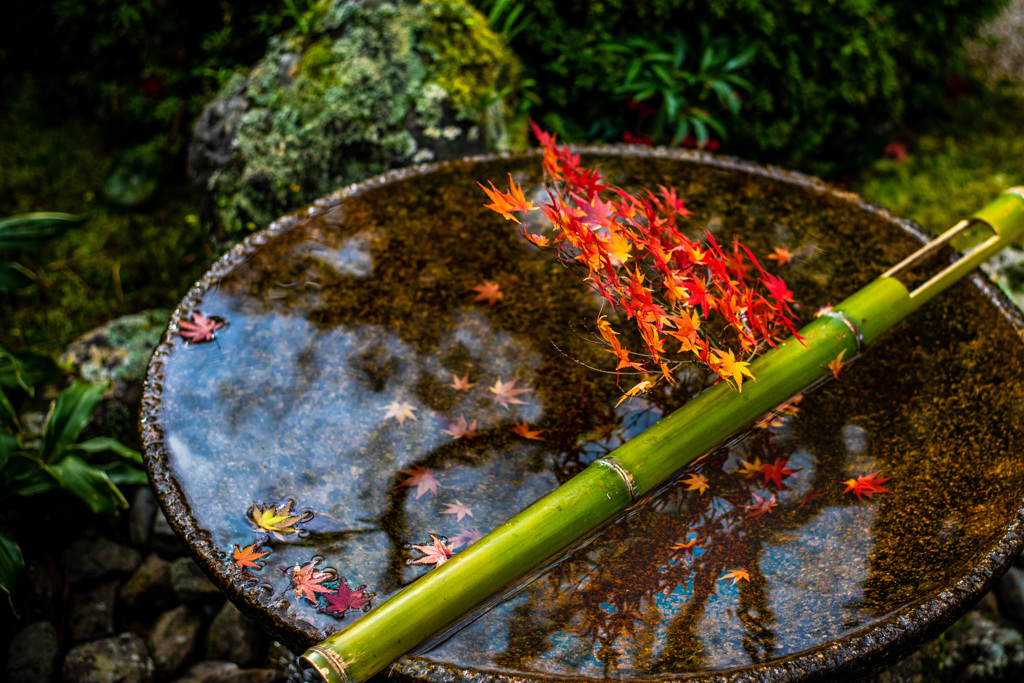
854 327
625 475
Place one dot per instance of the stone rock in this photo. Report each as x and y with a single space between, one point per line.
93 559
395 83
140 521
207 672
980 651
173 638
165 542
33 654
190 583
45 587
91 612
121 659
233 637
288 667
118 352
1010 593
150 586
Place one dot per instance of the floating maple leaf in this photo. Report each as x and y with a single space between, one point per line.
461 430
345 599
457 509
248 556
776 472
277 520
436 553
466 537
781 255
399 411
736 575
307 581
200 329
686 548
868 484
504 394
696 482
751 469
523 430
761 506
489 292
461 383
422 478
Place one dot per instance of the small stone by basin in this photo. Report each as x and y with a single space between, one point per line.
398 364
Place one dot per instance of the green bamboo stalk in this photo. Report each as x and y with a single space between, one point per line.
613 483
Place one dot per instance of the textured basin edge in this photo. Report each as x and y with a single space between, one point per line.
866 651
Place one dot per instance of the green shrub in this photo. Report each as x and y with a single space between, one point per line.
828 78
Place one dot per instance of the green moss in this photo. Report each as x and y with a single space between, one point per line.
333 108
117 262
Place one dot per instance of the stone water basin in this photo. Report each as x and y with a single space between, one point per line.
367 387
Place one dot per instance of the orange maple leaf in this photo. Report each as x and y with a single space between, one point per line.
306 581
489 292
462 430
422 478
736 575
868 484
731 370
507 202
835 366
506 393
523 430
248 556
781 255
636 390
696 482
461 383
751 469
436 553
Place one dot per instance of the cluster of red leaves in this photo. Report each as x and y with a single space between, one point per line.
637 257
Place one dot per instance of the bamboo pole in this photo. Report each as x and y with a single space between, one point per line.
613 483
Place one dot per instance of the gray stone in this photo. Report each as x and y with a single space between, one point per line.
233 637
207 672
1010 593
140 522
173 638
980 651
91 612
94 559
165 542
45 587
923 665
121 659
190 583
33 654
150 585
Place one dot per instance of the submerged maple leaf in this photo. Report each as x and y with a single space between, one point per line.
422 478
696 482
248 556
457 509
761 506
461 383
277 520
200 329
781 255
399 411
868 485
436 553
345 599
460 429
776 472
523 430
489 292
687 547
307 581
506 393
736 575
751 469
466 537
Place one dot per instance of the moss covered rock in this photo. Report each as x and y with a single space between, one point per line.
365 87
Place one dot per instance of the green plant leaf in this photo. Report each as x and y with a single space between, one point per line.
681 130
26 370
8 418
104 443
67 417
123 474
740 60
90 484
9 444
31 229
726 95
12 568
14 276
663 75
700 131
707 58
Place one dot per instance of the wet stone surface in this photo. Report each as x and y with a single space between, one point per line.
358 354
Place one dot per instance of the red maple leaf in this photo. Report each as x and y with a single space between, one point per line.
200 329
422 478
761 506
489 292
465 537
505 393
776 472
460 429
345 599
868 484
435 553
457 509
523 430
307 581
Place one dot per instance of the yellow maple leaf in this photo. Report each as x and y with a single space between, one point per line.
730 369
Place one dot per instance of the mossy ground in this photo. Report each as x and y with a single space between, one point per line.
120 261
